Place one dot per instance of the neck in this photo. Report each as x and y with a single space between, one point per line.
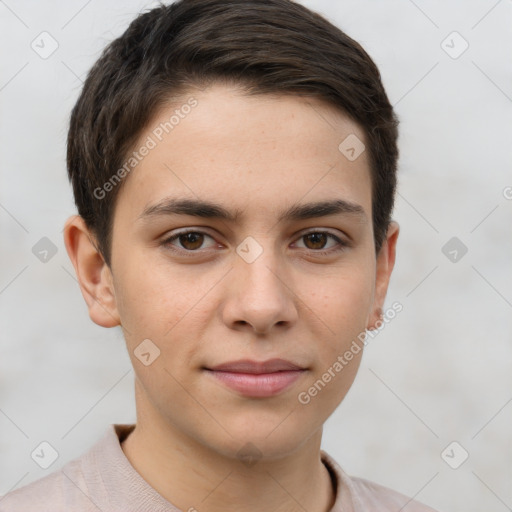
196 478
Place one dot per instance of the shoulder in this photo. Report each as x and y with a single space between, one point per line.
361 495
78 485
62 490
370 494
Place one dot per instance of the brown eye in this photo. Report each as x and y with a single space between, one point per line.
318 240
191 240
188 241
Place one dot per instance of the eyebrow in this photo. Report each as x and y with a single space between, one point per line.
211 210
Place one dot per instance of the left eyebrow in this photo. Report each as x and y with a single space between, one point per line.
211 210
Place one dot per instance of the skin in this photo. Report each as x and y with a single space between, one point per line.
260 155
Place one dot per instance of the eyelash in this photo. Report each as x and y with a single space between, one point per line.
342 245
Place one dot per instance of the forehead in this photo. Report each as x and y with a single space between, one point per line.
259 154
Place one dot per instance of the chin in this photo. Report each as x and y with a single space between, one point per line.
263 441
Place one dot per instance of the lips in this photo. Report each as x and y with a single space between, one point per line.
257 379
255 367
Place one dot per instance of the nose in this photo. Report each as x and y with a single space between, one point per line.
260 294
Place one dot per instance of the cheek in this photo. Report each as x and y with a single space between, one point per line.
153 307
343 304
151 298
343 301
166 306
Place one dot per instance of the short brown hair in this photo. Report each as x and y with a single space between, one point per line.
265 46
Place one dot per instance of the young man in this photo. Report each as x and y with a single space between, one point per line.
234 168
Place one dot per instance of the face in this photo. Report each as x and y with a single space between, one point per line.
261 272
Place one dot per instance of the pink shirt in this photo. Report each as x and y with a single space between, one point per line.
103 480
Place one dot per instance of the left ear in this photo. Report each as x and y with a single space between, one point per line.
385 264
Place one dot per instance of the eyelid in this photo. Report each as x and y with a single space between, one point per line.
328 231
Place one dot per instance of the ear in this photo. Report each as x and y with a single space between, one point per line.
94 276
385 264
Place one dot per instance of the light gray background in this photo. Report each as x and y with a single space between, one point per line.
440 372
